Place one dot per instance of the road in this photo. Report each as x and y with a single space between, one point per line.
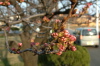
95 56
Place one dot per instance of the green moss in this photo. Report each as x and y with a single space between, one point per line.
80 57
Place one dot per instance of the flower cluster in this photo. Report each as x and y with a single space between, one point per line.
5 3
64 41
61 41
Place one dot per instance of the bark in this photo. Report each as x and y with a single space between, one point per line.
28 58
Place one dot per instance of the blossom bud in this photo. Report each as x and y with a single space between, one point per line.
1 3
73 48
20 44
59 53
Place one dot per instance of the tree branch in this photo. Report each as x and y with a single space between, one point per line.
24 19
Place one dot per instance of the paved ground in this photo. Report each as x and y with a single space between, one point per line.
95 56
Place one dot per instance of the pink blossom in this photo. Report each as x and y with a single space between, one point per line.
20 44
61 48
45 44
37 43
54 35
57 20
22 0
32 43
66 31
13 49
66 34
8 3
59 53
63 39
46 19
1 3
72 38
89 4
18 52
73 48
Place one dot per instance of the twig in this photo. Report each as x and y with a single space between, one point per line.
6 39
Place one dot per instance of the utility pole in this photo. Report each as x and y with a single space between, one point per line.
97 17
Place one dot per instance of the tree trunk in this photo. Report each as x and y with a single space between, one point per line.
28 57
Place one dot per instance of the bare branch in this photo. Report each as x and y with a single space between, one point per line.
6 39
24 19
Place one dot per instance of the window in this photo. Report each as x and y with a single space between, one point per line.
89 32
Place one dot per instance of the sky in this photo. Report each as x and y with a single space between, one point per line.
91 10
